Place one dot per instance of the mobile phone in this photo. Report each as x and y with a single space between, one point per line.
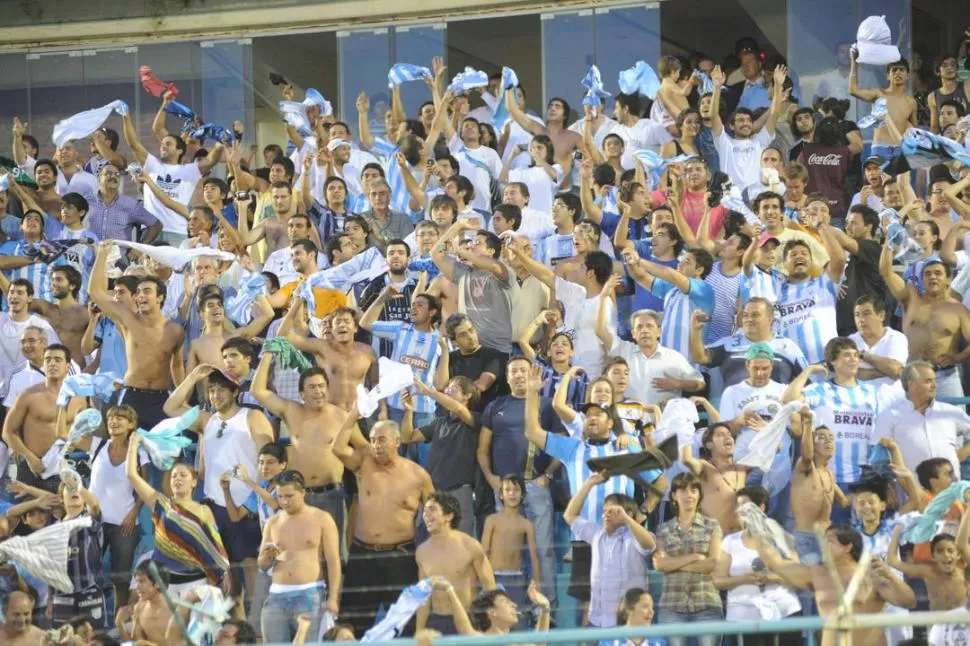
242 195
578 155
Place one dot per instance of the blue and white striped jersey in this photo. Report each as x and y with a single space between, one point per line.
678 307
850 413
414 348
806 313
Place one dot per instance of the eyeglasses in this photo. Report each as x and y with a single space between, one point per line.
222 429
111 174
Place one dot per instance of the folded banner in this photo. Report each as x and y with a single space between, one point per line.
239 308
468 80
154 85
923 149
399 614
294 112
641 78
337 280
44 553
394 377
878 113
595 92
405 72
47 251
165 442
287 355
82 124
929 523
874 42
85 385
177 259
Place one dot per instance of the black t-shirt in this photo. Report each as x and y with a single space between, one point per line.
861 279
475 364
451 458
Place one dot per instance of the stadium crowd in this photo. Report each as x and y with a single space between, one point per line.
663 348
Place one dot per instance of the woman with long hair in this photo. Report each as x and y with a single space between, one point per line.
636 610
688 547
542 177
685 143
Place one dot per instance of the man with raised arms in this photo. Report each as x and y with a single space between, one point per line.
346 361
934 322
153 344
382 555
313 429
295 541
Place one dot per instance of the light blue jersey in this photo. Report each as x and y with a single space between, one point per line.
678 307
414 348
763 284
37 274
387 151
80 256
850 413
806 313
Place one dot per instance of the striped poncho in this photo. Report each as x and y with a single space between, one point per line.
184 541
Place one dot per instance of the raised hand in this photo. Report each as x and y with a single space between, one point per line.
718 76
536 382
779 75
362 103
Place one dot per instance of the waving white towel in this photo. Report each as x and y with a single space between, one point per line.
177 259
44 553
394 377
764 445
84 123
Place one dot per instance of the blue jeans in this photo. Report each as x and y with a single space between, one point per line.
809 553
281 610
538 509
671 617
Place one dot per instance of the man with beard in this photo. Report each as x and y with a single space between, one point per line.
803 127
112 216
397 254
564 140
152 342
68 317
272 229
14 323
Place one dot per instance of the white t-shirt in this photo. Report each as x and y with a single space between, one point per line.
581 318
765 401
645 134
81 182
892 345
950 634
480 165
542 188
644 369
178 182
10 332
110 485
227 443
606 127
519 136
741 158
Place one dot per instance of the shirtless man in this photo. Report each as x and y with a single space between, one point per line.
68 317
19 631
813 488
901 106
31 424
346 361
564 140
208 347
391 489
720 477
151 617
313 429
295 541
934 322
881 585
153 343
273 229
586 238
454 555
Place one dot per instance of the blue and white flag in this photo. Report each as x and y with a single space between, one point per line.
101 385
399 614
509 78
164 443
239 308
404 72
641 78
879 112
468 80
181 111
294 112
654 164
83 124
595 92
923 149
342 277
707 84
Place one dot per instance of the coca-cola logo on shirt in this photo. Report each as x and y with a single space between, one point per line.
832 159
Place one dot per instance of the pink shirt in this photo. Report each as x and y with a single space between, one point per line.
693 207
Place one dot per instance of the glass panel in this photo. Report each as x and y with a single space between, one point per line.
364 61
56 84
418 45
623 37
567 51
108 75
14 97
227 72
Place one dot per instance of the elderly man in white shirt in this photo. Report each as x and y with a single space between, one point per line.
656 373
922 427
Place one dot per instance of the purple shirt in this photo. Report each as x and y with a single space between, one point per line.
116 220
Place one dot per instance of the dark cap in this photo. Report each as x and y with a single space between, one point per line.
878 160
585 407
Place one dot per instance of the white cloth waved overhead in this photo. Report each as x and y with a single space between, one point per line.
84 123
177 259
394 377
874 42
764 445
44 553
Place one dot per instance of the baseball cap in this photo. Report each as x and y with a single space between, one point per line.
760 351
878 160
585 407
766 238
334 144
